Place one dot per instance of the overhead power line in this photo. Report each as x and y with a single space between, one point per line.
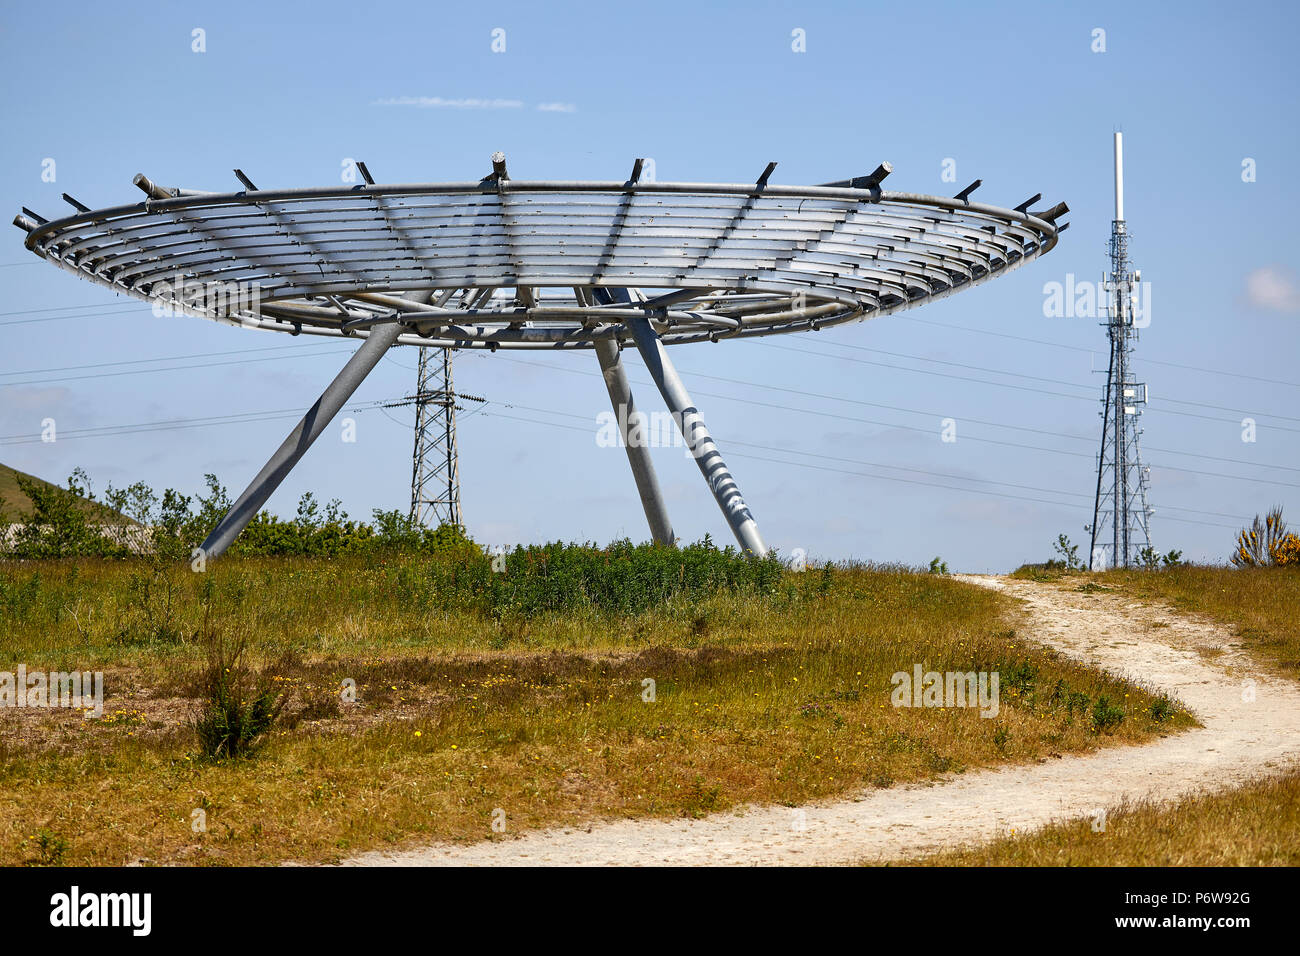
1080 348
919 358
1028 388
873 464
303 352
280 414
898 425
52 318
909 481
315 350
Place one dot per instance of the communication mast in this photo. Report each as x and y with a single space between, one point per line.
1120 507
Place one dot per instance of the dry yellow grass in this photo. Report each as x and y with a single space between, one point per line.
1261 605
1255 825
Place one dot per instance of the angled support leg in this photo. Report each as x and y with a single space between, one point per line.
638 455
334 397
697 436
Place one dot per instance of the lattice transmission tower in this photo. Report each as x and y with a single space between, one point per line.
1121 516
435 470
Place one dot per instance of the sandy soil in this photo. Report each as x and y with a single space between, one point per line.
1199 663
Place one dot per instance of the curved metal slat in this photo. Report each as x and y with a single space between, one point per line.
741 260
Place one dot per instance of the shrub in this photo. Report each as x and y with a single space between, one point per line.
1162 708
620 578
1266 543
1106 715
59 525
1069 553
69 522
49 846
238 707
151 611
1017 675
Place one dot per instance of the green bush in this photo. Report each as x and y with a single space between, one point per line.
238 707
1106 715
72 522
622 578
1162 708
50 848
60 525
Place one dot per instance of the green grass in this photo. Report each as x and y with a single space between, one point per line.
767 691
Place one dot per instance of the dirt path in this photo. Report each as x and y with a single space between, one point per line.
1196 661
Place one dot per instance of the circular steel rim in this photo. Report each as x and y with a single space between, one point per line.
833 255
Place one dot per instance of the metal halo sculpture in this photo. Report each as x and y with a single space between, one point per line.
512 264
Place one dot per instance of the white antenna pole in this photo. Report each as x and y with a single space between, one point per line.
1119 177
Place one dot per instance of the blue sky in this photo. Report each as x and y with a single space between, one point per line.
1013 93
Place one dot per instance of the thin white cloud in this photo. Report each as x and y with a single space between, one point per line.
1273 289
438 102
557 108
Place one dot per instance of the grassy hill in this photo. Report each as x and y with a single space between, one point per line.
18 507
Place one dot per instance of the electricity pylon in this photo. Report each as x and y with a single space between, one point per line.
435 470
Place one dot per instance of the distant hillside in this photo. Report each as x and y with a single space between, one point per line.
18 507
